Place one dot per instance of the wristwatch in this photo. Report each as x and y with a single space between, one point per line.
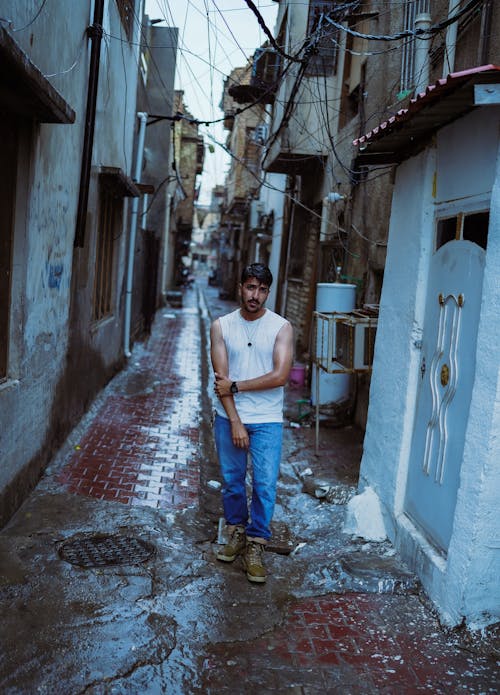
234 387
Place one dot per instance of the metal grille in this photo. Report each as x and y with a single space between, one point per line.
100 550
109 216
408 57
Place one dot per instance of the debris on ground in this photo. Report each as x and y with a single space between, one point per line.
324 490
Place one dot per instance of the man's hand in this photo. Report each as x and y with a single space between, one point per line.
239 434
222 385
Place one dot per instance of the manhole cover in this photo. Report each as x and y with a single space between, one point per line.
100 550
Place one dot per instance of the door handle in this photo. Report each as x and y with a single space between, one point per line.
422 368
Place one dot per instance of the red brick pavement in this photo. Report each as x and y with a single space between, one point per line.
352 644
142 447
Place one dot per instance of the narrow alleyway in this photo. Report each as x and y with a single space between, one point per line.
336 615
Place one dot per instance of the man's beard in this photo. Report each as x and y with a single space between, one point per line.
252 306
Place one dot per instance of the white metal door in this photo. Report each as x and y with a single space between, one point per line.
447 371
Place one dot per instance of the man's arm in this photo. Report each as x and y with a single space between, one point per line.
278 376
218 354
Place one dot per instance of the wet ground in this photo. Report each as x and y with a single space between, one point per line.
108 576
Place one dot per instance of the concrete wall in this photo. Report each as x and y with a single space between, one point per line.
46 200
58 360
273 197
155 96
463 584
397 357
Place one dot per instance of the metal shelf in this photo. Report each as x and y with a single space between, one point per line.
344 344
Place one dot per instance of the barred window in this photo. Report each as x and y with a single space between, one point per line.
412 8
324 60
110 214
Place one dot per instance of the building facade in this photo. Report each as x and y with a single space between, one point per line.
434 398
69 82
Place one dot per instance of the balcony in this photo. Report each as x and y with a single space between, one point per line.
264 77
298 139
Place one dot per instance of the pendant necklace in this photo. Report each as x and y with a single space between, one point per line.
250 335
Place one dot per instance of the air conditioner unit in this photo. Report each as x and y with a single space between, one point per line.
355 340
265 68
260 134
256 209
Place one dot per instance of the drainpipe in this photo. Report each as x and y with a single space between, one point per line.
484 42
144 215
451 40
422 69
143 117
284 290
166 233
95 34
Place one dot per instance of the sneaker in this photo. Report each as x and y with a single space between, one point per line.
237 542
252 561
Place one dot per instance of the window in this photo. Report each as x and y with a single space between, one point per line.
126 10
446 231
353 85
467 227
8 167
252 154
110 217
324 60
412 9
298 242
475 228
407 56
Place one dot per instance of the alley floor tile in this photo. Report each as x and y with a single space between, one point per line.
353 643
142 447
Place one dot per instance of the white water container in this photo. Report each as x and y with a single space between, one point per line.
330 297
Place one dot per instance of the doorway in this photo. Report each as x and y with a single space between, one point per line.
447 371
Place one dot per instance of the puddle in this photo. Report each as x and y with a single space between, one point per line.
369 573
140 384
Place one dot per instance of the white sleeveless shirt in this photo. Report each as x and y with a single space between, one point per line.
250 361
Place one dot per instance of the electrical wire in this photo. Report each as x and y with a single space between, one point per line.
267 184
31 21
318 104
75 62
144 44
417 33
210 60
268 33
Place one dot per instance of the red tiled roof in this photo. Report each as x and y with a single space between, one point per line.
407 132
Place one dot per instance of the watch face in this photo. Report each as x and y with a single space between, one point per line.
234 388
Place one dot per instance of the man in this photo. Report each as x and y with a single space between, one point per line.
252 353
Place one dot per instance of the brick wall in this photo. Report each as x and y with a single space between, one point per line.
301 293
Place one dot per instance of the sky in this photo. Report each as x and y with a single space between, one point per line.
215 36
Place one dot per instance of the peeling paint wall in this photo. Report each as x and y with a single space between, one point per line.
58 360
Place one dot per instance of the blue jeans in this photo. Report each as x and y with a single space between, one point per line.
265 452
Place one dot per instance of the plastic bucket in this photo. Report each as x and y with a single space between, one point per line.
332 297
297 377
